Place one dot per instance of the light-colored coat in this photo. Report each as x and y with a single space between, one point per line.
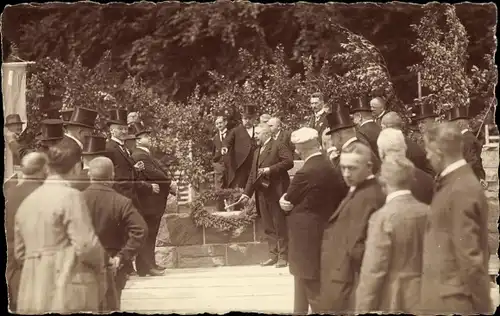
392 264
63 259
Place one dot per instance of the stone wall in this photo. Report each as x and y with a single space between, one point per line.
490 164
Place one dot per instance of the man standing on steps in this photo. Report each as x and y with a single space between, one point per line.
153 202
320 110
269 180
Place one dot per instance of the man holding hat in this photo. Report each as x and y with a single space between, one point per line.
314 193
363 118
472 148
153 201
81 124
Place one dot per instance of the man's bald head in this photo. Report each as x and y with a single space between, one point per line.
101 169
34 165
392 120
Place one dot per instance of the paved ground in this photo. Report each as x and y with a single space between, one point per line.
217 290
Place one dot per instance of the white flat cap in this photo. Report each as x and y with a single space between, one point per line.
304 135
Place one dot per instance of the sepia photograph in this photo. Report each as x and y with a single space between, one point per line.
286 158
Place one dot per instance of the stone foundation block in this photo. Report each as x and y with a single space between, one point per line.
490 157
171 207
246 253
202 256
178 230
166 257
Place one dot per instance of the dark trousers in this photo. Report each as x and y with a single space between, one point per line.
145 260
337 297
219 183
274 223
115 285
306 294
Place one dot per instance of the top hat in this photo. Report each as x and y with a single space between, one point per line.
138 129
249 110
66 114
339 119
83 117
361 105
13 119
52 113
424 111
94 145
461 112
117 116
51 129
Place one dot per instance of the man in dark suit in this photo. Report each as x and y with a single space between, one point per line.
81 124
472 146
281 135
153 201
237 149
320 110
34 170
315 192
344 237
414 152
455 263
119 226
391 142
424 116
94 146
269 180
220 171
379 108
366 126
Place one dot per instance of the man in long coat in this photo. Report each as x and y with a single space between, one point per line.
390 275
455 276
34 170
119 226
63 268
154 201
269 180
314 193
344 237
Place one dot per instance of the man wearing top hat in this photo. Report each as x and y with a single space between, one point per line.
320 109
66 114
363 118
130 140
93 146
343 133
471 147
81 124
238 146
51 132
153 201
425 116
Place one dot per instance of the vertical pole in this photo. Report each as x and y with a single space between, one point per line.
419 86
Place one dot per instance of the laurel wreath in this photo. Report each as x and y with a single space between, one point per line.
235 224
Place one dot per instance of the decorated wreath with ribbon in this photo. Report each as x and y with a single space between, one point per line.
235 225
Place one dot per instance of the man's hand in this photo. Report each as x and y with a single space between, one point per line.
262 171
139 166
223 150
484 183
115 263
156 187
243 199
285 205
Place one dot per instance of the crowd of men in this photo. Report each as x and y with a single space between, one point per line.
373 221
84 212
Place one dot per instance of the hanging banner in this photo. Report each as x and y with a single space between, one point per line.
14 102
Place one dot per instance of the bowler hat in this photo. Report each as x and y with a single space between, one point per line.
117 116
94 145
426 110
361 104
51 129
460 112
339 119
66 114
138 129
83 117
13 119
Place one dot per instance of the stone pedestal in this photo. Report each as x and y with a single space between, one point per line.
490 165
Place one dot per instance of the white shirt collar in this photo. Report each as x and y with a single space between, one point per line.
75 139
353 188
312 155
144 148
349 141
267 141
277 134
454 166
393 195
329 150
367 121
381 114
464 131
224 131
118 141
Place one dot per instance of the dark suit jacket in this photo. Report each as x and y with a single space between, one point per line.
422 186
378 119
238 160
417 155
370 131
81 181
278 159
321 125
152 203
455 261
284 137
117 223
344 238
315 191
472 154
375 157
216 147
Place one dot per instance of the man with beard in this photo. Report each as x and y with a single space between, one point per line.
344 237
379 108
269 180
366 126
315 192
